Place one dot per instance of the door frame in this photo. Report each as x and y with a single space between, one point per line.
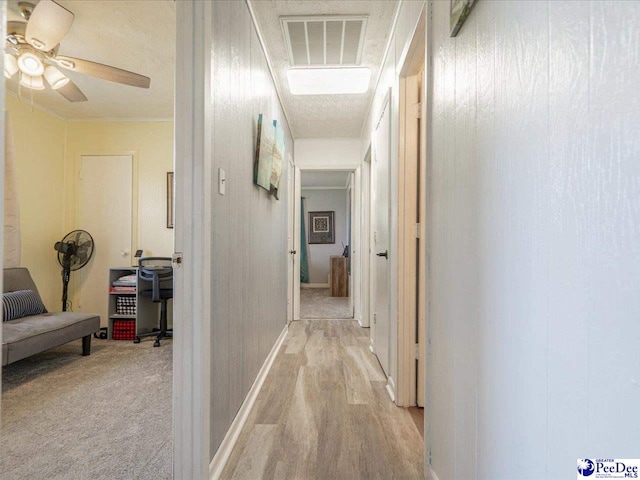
356 262
365 234
194 182
411 237
351 211
292 258
297 224
3 32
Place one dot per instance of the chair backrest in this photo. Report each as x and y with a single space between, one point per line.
155 270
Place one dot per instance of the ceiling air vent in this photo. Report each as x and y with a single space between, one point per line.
323 40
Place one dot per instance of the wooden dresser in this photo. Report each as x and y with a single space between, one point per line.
339 276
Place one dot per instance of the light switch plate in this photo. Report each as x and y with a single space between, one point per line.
222 180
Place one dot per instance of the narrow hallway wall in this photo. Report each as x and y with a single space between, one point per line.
249 290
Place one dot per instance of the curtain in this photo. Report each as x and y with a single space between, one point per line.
11 207
304 254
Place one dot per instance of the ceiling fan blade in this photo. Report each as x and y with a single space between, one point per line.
71 92
48 24
105 72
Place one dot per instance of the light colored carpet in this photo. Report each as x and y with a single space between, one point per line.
318 303
105 416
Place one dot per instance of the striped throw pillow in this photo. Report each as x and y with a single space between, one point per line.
21 304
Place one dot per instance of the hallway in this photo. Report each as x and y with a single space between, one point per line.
323 413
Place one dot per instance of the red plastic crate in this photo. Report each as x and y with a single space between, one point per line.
124 330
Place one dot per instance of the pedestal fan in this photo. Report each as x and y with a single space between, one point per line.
74 252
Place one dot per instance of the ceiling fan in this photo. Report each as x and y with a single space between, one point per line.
32 52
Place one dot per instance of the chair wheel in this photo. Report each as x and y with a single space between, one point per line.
156 343
137 340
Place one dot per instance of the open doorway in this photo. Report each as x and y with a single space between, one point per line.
326 230
98 164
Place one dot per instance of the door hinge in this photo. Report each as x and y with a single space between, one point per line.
418 230
417 110
417 351
375 318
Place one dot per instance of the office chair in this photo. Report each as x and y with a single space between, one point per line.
159 273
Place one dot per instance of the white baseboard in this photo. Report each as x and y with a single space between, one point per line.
431 475
224 451
314 285
391 389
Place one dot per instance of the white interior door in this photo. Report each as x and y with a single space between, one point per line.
106 200
380 248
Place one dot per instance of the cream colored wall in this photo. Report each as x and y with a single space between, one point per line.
39 140
48 172
151 143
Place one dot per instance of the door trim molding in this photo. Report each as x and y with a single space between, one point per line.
192 279
410 195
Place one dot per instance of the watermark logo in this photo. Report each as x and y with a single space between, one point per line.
608 468
585 467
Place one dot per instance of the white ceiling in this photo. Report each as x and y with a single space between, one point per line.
325 116
135 35
324 179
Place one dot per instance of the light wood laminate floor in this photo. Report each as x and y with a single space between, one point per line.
323 413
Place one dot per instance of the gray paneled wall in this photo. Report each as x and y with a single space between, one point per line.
249 225
535 259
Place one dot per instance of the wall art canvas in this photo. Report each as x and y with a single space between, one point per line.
458 14
321 227
263 163
277 156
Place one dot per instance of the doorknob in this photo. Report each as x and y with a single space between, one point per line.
292 252
384 254
124 253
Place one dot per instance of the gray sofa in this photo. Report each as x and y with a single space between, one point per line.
27 336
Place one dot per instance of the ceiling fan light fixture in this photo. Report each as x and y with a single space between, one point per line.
63 62
55 77
37 43
30 64
10 65
34 83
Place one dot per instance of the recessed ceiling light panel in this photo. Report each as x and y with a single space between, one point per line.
323 40
328 81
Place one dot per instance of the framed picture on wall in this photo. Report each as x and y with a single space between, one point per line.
169 199
321 227
459 11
